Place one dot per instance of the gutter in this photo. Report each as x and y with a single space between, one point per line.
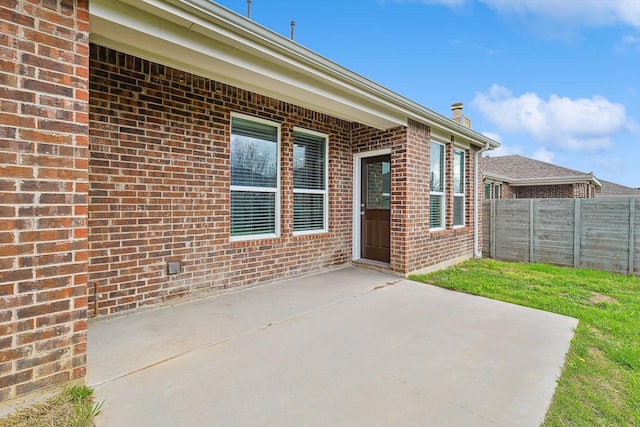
205 18
274 43
477 253
552 180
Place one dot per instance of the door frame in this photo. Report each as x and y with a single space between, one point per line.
357 194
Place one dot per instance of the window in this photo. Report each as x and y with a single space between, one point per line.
436 196
255 199
497 190
309 182
458 188
487 191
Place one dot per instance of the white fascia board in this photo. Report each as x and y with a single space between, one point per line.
335 72
202 37
139 32
555 180
496 177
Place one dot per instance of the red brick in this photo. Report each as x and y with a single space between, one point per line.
15 353
17 171
13 379
43 309
42 383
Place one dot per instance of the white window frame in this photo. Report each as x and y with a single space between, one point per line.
463 187
497 191
442 194
325 192
241 188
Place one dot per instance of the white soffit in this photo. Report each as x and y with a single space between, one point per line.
193 47
206 39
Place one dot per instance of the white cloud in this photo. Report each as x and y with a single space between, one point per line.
502 150
559 18
580 12
609 164
543 155
496 137
505 150
449 3
628 43
559 122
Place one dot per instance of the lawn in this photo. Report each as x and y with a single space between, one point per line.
600 382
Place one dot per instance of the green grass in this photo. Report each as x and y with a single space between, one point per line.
74 407
600 382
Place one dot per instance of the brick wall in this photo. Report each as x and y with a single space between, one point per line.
507 191
580 190
427 248
583 190
159 192
366 139
43 193
413 245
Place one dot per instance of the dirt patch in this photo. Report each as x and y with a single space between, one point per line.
597 298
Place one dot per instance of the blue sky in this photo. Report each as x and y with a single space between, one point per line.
556 80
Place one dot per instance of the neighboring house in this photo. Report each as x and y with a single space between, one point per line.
155 150
611 189
518 177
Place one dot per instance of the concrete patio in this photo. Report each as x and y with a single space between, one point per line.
348 347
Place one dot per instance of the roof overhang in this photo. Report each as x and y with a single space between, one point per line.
559 180
206 39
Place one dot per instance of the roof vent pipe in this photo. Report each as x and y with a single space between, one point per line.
293 26
249 9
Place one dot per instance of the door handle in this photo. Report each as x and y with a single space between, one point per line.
362 213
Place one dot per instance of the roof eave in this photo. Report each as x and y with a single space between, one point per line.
556 181
202 37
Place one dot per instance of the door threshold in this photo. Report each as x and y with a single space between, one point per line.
372 263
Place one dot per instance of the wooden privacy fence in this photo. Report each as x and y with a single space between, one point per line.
587 233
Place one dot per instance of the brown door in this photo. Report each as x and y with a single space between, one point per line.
375 207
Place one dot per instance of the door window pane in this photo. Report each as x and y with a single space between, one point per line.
378 185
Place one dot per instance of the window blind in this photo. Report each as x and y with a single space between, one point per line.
308 161
256 130
254 178
435 211
308 211
252 213
309 182
458 210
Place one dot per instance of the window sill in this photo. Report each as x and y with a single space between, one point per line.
253 238
309 233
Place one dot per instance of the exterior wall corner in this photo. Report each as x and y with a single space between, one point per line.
44 185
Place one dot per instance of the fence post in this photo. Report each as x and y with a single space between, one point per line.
492 230
576 232
531 254
632 222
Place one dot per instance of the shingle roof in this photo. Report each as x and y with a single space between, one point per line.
611 189
518 168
